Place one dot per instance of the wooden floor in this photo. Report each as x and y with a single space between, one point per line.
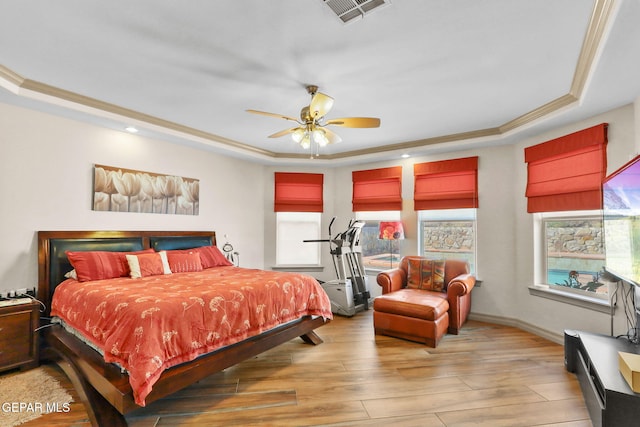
488 375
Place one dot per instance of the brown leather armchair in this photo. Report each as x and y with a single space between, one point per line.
418 314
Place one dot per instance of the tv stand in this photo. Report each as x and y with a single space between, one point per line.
608 397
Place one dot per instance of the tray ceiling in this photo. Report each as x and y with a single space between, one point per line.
438 74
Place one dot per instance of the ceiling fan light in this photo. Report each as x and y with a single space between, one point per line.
297 135
305 142
320 138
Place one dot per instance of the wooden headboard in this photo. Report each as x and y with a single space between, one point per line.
52 245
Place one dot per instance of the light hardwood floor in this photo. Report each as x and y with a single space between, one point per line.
489 375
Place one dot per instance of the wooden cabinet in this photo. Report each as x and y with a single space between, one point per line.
18 339
608 397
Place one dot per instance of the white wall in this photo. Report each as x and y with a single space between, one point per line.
46 179
46 167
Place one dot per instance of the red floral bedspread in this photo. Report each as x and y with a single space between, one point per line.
150 324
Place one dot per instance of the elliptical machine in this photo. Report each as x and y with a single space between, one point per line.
349 293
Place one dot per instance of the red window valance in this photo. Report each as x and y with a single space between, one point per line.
447 184
566 173
298 192
377 189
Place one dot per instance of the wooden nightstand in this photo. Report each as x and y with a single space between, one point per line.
18 339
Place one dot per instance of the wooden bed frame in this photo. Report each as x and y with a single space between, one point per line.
104 390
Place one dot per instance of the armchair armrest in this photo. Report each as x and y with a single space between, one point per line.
459 297
460 285
391 280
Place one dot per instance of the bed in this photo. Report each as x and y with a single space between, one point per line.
104 367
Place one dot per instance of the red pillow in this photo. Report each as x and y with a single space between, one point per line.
98 265
149 264
210 256
182 262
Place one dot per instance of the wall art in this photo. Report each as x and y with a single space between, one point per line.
125 190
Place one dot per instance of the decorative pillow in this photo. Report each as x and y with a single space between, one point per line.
414 273
210 256
437 276
426 274
182 262
98 265
150 264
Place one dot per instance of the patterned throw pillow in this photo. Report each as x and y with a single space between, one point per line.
437 281
414 273
426 274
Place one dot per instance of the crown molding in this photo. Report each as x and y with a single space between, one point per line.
10 76
599 22
601 18
121 112
463 136
540 112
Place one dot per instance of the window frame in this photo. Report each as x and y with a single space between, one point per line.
441 215
585 299
280 219
377 217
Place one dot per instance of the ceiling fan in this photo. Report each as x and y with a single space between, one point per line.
312 123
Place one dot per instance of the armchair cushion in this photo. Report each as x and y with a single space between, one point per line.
425 274
413 303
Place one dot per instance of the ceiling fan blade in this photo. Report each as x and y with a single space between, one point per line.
279 116
320 105
283 132
333 137
355 122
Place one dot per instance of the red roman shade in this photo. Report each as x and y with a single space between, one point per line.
447 184
298 192
377 189
566 173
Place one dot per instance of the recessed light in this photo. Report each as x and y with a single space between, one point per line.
406 156
131 129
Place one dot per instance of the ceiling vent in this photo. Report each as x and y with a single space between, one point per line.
349 10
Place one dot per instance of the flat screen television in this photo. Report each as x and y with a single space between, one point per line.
621 221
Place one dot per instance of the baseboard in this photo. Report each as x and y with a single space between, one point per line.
516 323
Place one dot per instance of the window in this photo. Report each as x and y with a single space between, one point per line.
573 252
446 184
449 234
566 173
298 192
564 191
292 229
298 203
378 254
377 189
446 198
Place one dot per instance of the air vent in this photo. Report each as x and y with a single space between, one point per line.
349 10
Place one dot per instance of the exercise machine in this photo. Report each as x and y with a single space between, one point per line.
349 293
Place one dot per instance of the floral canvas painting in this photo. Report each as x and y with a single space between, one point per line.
125 190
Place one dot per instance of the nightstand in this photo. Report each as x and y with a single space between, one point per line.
18 336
